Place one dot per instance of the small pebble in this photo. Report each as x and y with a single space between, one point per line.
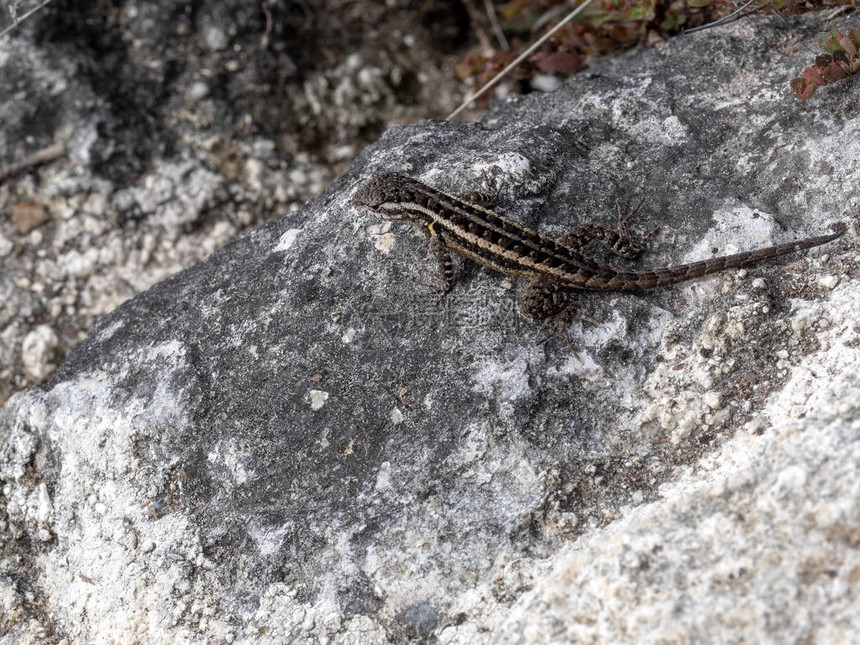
216 39
353 61
545 83
298 176
29 215
828 281
198 91
713 400
37 353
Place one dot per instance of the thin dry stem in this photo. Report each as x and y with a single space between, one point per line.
46 155
17 20
573 14
494 22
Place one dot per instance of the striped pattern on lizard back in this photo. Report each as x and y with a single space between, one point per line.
486 237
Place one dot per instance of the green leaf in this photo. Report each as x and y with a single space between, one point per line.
645 14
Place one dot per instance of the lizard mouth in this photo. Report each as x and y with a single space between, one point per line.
389 211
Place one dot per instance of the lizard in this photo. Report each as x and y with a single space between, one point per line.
554 267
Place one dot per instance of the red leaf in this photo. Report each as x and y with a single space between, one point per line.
557 62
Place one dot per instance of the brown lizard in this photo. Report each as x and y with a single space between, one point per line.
554 267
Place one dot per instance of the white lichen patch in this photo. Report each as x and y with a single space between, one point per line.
229 455
384 242
828 281
43 504
713 399
269 539
734 230
580 363
108 332
669 131
383 477
510 164
507 381
286 241
317 398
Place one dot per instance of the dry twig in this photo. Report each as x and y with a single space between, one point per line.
520 58
17 20
46 155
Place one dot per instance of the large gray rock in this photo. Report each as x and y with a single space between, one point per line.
286 443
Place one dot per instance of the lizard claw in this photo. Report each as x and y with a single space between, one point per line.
438 289
627 246
622 218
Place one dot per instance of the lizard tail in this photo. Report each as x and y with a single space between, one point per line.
646 279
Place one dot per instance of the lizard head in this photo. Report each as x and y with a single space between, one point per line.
383 196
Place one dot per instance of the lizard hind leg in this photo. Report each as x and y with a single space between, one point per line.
618 240
555 306
629 245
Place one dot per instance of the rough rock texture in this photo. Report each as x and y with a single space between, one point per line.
286 443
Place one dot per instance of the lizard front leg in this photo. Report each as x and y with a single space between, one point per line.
439 249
